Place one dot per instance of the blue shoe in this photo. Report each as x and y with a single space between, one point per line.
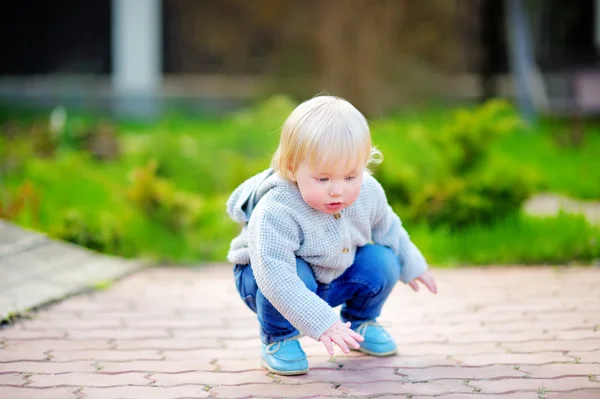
284 357
377 341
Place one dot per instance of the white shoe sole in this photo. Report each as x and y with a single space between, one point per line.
272 370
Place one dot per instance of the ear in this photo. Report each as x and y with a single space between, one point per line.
291 175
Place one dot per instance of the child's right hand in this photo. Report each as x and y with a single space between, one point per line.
342 335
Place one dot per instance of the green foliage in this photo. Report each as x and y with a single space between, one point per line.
570 171
19 201
457 180
449 177
517 239
466 138
159 201
14 152
266 116
103 232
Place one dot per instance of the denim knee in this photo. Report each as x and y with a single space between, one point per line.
380 263
306 274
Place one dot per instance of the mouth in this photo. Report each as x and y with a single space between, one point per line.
334 205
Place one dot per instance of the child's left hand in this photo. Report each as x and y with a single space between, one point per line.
427 280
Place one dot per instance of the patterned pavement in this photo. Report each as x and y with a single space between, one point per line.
509 333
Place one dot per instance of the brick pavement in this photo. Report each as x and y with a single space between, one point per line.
510 333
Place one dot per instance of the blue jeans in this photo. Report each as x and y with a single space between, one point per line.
361 290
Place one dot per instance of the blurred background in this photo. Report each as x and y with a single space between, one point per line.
125 124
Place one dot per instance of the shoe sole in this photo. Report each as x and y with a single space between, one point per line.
378 354
272 370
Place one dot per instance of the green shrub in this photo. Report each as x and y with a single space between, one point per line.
447 176
517 239
102 232
158 200
457 180
14 153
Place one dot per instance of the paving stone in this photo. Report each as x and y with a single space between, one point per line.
479 337
212 378
253 363
400 388
169 344
36 393
534 384
341 376
366 362
274 391
12 379
11 355
187 392
227 335
541 325
72 324
561 370
244 364
514 395
579 334
513 358
459 372
579 394
107 355
45 345
164 366
117 333
450 349
176 323
552 346
87 379
210 354
169 327
47 367
15 333
588 356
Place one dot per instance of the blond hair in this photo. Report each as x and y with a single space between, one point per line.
324 131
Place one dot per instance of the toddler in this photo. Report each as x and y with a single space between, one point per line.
318 233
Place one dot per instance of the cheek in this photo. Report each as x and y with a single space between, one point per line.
353 192
313 193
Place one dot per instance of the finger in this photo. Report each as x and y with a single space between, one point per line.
356 336
340 342
350 341
327 342
434 285
413 284
429 283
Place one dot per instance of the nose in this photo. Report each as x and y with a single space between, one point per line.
335 190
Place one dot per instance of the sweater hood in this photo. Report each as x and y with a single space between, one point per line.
244 198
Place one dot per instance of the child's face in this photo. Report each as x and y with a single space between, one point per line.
330 190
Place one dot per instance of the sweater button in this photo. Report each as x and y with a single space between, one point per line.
337 216
345 250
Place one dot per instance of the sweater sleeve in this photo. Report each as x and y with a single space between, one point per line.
387 230
273 238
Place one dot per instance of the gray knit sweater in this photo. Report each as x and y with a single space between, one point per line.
278 226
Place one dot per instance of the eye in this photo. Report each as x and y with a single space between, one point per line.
323 179
350 177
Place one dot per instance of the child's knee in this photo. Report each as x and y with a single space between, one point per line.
382 263
306 274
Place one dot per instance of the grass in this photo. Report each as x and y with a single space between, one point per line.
519 239
202 160
571 171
